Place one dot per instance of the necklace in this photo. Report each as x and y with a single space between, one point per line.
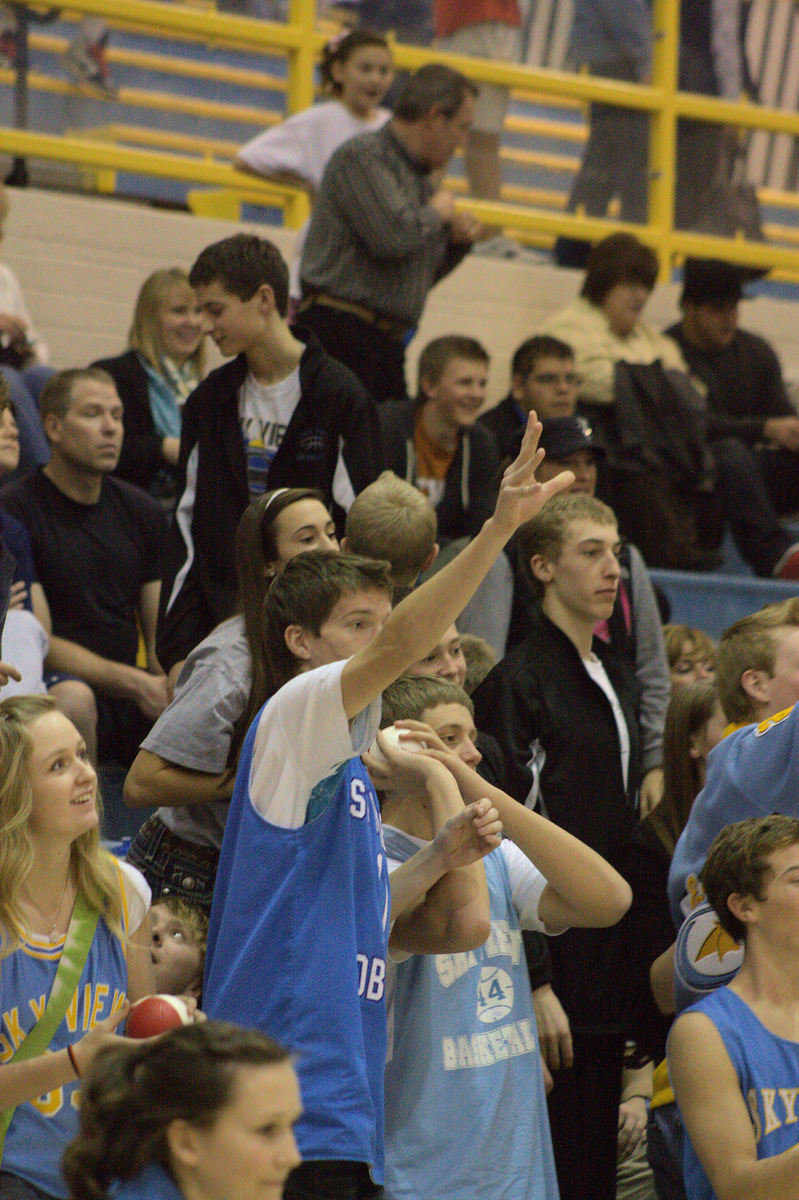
53 931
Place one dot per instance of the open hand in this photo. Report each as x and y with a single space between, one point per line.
520 495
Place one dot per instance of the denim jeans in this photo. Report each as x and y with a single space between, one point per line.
173 866
664 1145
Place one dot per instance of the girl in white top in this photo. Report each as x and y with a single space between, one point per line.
356 71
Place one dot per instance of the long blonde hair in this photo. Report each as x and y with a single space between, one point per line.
96 876
144 333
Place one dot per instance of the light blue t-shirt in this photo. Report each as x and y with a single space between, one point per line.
466 1112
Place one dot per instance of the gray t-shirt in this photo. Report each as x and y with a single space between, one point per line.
196 729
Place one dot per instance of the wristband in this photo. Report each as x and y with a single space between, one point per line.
73 1060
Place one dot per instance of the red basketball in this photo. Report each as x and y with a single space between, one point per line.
156 1014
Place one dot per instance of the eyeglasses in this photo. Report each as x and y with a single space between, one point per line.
550 378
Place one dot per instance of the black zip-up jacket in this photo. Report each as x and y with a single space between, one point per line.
470 489
561 744
199 579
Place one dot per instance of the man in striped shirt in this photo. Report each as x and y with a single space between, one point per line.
381 235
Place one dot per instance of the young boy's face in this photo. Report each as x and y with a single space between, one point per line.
454 725
584 579
460 393
550 388
175 954
235 325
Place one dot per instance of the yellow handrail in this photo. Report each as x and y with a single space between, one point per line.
301 42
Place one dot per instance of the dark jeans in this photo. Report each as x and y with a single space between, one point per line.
173 866
325 1180
664 1147
615 158
14 1188
376 357
584 1118
749 483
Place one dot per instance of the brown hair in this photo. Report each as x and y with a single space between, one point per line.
750 645
134 1090
438 354
341 48
408 697
256 566
689 711
684 641
305 593
545 533
737 863
57 393
620 258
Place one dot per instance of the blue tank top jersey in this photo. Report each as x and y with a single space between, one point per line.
297 948
767 1067
465 1052
41 1129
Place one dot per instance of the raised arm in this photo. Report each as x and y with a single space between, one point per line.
582 888
439 896
424 616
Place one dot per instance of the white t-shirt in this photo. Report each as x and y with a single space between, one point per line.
599 675
264 413
303 144
303 737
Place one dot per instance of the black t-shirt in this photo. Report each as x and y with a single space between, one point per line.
92 559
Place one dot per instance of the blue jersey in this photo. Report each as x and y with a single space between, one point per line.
465 1047
298 930
751 773
41 1128
767 1067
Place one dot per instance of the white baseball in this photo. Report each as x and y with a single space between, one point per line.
392 736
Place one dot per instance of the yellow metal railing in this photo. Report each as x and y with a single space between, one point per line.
301 42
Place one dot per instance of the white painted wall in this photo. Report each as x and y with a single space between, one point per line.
81 261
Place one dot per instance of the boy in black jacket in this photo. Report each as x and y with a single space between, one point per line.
282 413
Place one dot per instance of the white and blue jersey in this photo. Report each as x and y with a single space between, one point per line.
767 1067
465 1051
298 930
40 1129
753 772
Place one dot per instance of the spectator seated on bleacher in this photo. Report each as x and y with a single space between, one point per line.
670 492
24 612
97 544
435 441
23 362
544 380
752 425
187 762
155 377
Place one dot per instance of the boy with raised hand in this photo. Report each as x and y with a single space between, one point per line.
734 1056
301 898
463 1024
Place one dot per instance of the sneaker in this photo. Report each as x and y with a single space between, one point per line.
86 63
788 566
